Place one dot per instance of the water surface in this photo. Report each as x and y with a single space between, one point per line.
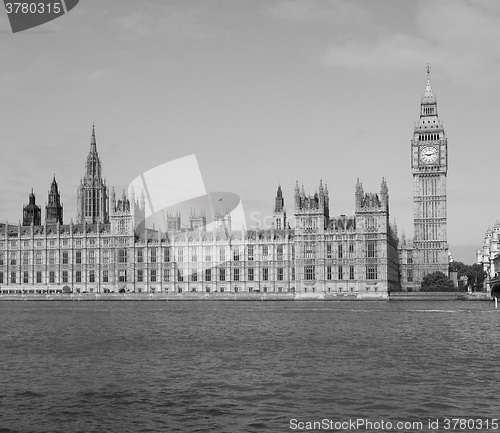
243 366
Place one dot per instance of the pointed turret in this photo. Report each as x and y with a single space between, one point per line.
297 195
321 195
112 201
93 165
327 202
32 213
279 210
359 193
428 95
428 104
53 186
93 146
279 201
359 186
143 200
31 197
54 210
384 195
383 186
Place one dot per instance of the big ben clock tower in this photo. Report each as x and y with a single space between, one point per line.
429 150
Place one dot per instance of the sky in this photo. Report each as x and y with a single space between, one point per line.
264 93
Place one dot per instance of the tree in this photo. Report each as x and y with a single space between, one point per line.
474 273
437 282
476 276
460 268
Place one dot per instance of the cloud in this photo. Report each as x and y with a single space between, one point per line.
393 52
462 36
154 19
325 11
136 23
182 24
469 42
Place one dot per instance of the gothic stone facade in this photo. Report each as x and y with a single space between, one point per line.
489 258
105 252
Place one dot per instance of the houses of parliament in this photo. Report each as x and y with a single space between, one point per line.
109 249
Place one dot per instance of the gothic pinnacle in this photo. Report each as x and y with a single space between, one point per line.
93 147
428 95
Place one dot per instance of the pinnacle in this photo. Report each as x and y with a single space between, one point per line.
428 94
93 147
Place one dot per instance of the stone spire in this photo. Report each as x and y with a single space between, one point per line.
359 193
383 187
53 209
279 201
428 94
279 214
384 196
93 165
92 196
93 146
32 197
429 124
297 195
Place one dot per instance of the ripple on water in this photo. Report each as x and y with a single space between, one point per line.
241 367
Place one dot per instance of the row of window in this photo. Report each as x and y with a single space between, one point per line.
26 278
209 275
207 290
342 273
51 257
265 250
371 250
251 249
123 255
429 137
53 243
153 275
428 110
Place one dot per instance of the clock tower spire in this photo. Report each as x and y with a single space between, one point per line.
429 148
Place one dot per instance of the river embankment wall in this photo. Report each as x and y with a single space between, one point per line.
395 296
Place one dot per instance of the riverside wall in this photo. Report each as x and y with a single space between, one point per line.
395 296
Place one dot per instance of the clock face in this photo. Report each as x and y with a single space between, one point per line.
429 155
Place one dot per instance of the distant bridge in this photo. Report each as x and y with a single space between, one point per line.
495 286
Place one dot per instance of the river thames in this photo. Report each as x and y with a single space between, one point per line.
247 366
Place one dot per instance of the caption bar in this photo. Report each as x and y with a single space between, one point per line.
363 424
